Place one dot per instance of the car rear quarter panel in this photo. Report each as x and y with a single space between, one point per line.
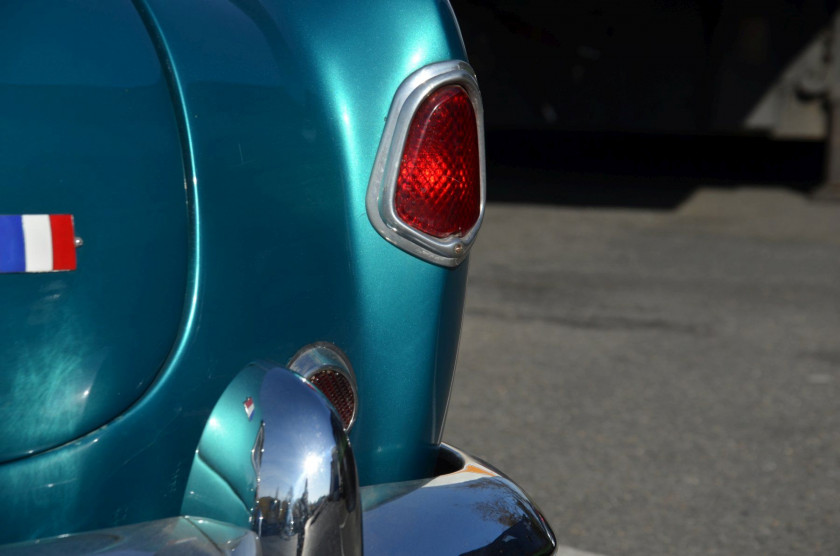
280 108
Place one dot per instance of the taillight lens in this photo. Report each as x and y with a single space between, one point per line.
438 189
426 190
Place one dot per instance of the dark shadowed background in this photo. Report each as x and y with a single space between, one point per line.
651 343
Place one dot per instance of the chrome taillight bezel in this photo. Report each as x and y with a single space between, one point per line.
449 251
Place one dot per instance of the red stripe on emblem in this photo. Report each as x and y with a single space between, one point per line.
63 242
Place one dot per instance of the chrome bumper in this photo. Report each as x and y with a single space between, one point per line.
468 508
174 535
292 469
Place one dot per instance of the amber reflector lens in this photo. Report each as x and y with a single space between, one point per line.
439 184
336 387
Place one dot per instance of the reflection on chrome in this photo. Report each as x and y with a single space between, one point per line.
307 499
469 508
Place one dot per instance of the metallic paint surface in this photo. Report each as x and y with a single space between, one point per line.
284 125
88 131
280 110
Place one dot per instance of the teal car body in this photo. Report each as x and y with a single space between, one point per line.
216 158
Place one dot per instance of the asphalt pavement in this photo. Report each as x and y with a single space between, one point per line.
661 381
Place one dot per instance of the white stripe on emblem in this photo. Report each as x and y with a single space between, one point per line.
37 241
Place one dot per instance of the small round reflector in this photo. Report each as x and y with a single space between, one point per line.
327 368
438 188
336 387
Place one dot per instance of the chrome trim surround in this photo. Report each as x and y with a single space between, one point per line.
258 449
307 499
321 356
449 251
469 508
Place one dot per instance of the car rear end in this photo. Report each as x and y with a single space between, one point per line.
305 190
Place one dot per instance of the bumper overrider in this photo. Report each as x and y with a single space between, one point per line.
307 499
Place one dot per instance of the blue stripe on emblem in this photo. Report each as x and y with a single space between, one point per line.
12 253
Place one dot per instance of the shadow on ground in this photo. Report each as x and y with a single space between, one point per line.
640 171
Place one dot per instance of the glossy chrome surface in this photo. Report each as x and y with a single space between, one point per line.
469 508
383 179
326 356
182 535
307 491
287 464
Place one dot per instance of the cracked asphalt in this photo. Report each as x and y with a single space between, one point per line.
661 381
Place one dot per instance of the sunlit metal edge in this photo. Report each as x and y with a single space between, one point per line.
449 251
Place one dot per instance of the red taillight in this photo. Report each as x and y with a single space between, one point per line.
426 190
438 188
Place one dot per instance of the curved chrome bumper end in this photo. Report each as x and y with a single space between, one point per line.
469 508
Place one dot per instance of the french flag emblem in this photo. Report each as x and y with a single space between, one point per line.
37 243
